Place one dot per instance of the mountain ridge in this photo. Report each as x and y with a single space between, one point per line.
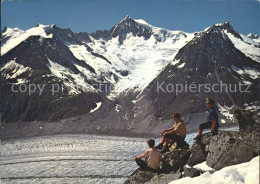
128 59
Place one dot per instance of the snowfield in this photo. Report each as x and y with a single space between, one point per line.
245 173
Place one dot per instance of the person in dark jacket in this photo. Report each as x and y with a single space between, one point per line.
212 120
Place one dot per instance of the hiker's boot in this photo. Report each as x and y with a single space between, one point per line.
159 146
197 138
165 149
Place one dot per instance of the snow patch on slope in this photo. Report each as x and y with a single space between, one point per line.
181 65
252 106
97 107
203 167
226 112
73 82
81 53
246 71
13 70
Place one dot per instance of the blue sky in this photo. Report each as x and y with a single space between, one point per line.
91 15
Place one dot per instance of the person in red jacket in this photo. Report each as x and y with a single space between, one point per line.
177 133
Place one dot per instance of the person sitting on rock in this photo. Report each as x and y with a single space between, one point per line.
212 120
151 156
177 134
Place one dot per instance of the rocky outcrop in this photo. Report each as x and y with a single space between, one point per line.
147 177
231 148
139 176
174 160
247 121
164 178
198 151
228 149
171 162
225 149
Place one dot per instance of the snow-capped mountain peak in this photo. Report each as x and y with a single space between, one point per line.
227 27
13 37
255 38
127 18
128 25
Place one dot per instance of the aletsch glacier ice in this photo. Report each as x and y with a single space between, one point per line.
71 158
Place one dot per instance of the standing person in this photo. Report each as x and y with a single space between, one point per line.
212 120
151 156
177 133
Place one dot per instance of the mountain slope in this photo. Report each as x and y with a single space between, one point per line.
209 58
108 80
45 62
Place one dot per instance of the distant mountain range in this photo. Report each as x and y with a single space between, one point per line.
107 81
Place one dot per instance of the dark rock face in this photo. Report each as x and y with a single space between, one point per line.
83 36
247 121
198 150
146 177
228 149
164 178
140 177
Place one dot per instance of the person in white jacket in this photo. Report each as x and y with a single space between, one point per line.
151 158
